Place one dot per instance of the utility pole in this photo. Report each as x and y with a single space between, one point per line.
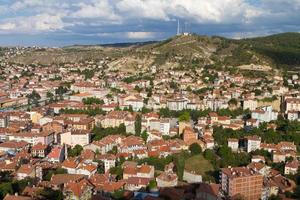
178 27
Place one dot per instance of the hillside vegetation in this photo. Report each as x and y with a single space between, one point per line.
183 52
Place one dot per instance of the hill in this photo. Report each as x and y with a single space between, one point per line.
183 52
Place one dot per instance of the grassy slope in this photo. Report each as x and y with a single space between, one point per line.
198 164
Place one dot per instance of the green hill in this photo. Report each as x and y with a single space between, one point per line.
185 52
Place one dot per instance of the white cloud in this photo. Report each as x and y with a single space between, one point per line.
7 26
33 24
98 9
201 11
140 35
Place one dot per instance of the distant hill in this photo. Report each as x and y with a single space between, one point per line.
280 51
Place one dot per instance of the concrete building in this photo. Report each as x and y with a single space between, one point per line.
242 181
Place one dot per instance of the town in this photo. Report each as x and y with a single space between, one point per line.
88 130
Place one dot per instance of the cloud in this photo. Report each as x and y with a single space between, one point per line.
7 26
98 9
140 35
33 24
147 19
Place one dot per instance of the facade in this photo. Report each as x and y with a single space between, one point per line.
242 181
252 143
233 144
264 114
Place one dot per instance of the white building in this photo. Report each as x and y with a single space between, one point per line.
252 143
264 114
250 104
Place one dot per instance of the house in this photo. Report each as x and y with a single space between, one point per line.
57 154
80 190
259 167
78 166
264 114
130 144
257 158
109 161
252 143
105 144
136 183
134 170
58 181
293 115
233 143
167 178
134 101
13 146
189 135
39 150
177 103
76 137
191 177
208 191
250 104
280 156
28 170
291 167
292 104
3 120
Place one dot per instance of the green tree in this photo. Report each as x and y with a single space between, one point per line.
138 125
92 100
75 151
195 149
185 117
144 135
48 193
50 96
33 98
5 188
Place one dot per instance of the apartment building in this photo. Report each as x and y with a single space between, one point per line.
241 181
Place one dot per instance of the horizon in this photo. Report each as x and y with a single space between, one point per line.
128 43
61 23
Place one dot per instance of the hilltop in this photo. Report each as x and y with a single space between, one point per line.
192 51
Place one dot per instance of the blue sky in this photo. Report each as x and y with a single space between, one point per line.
67 22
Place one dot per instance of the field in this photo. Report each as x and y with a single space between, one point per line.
200 165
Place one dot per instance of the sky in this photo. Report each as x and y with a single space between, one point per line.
69 22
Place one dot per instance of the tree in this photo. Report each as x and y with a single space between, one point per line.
50 173
92 100
185 117
50 96
233 101
5 188
152 184
33 98
195 149
144 135
75 151
138 125
118 171
48 193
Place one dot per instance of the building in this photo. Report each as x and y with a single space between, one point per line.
177 104
39 150
241 181
74 137
264 114
292 104
233 143
252 143
291 167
